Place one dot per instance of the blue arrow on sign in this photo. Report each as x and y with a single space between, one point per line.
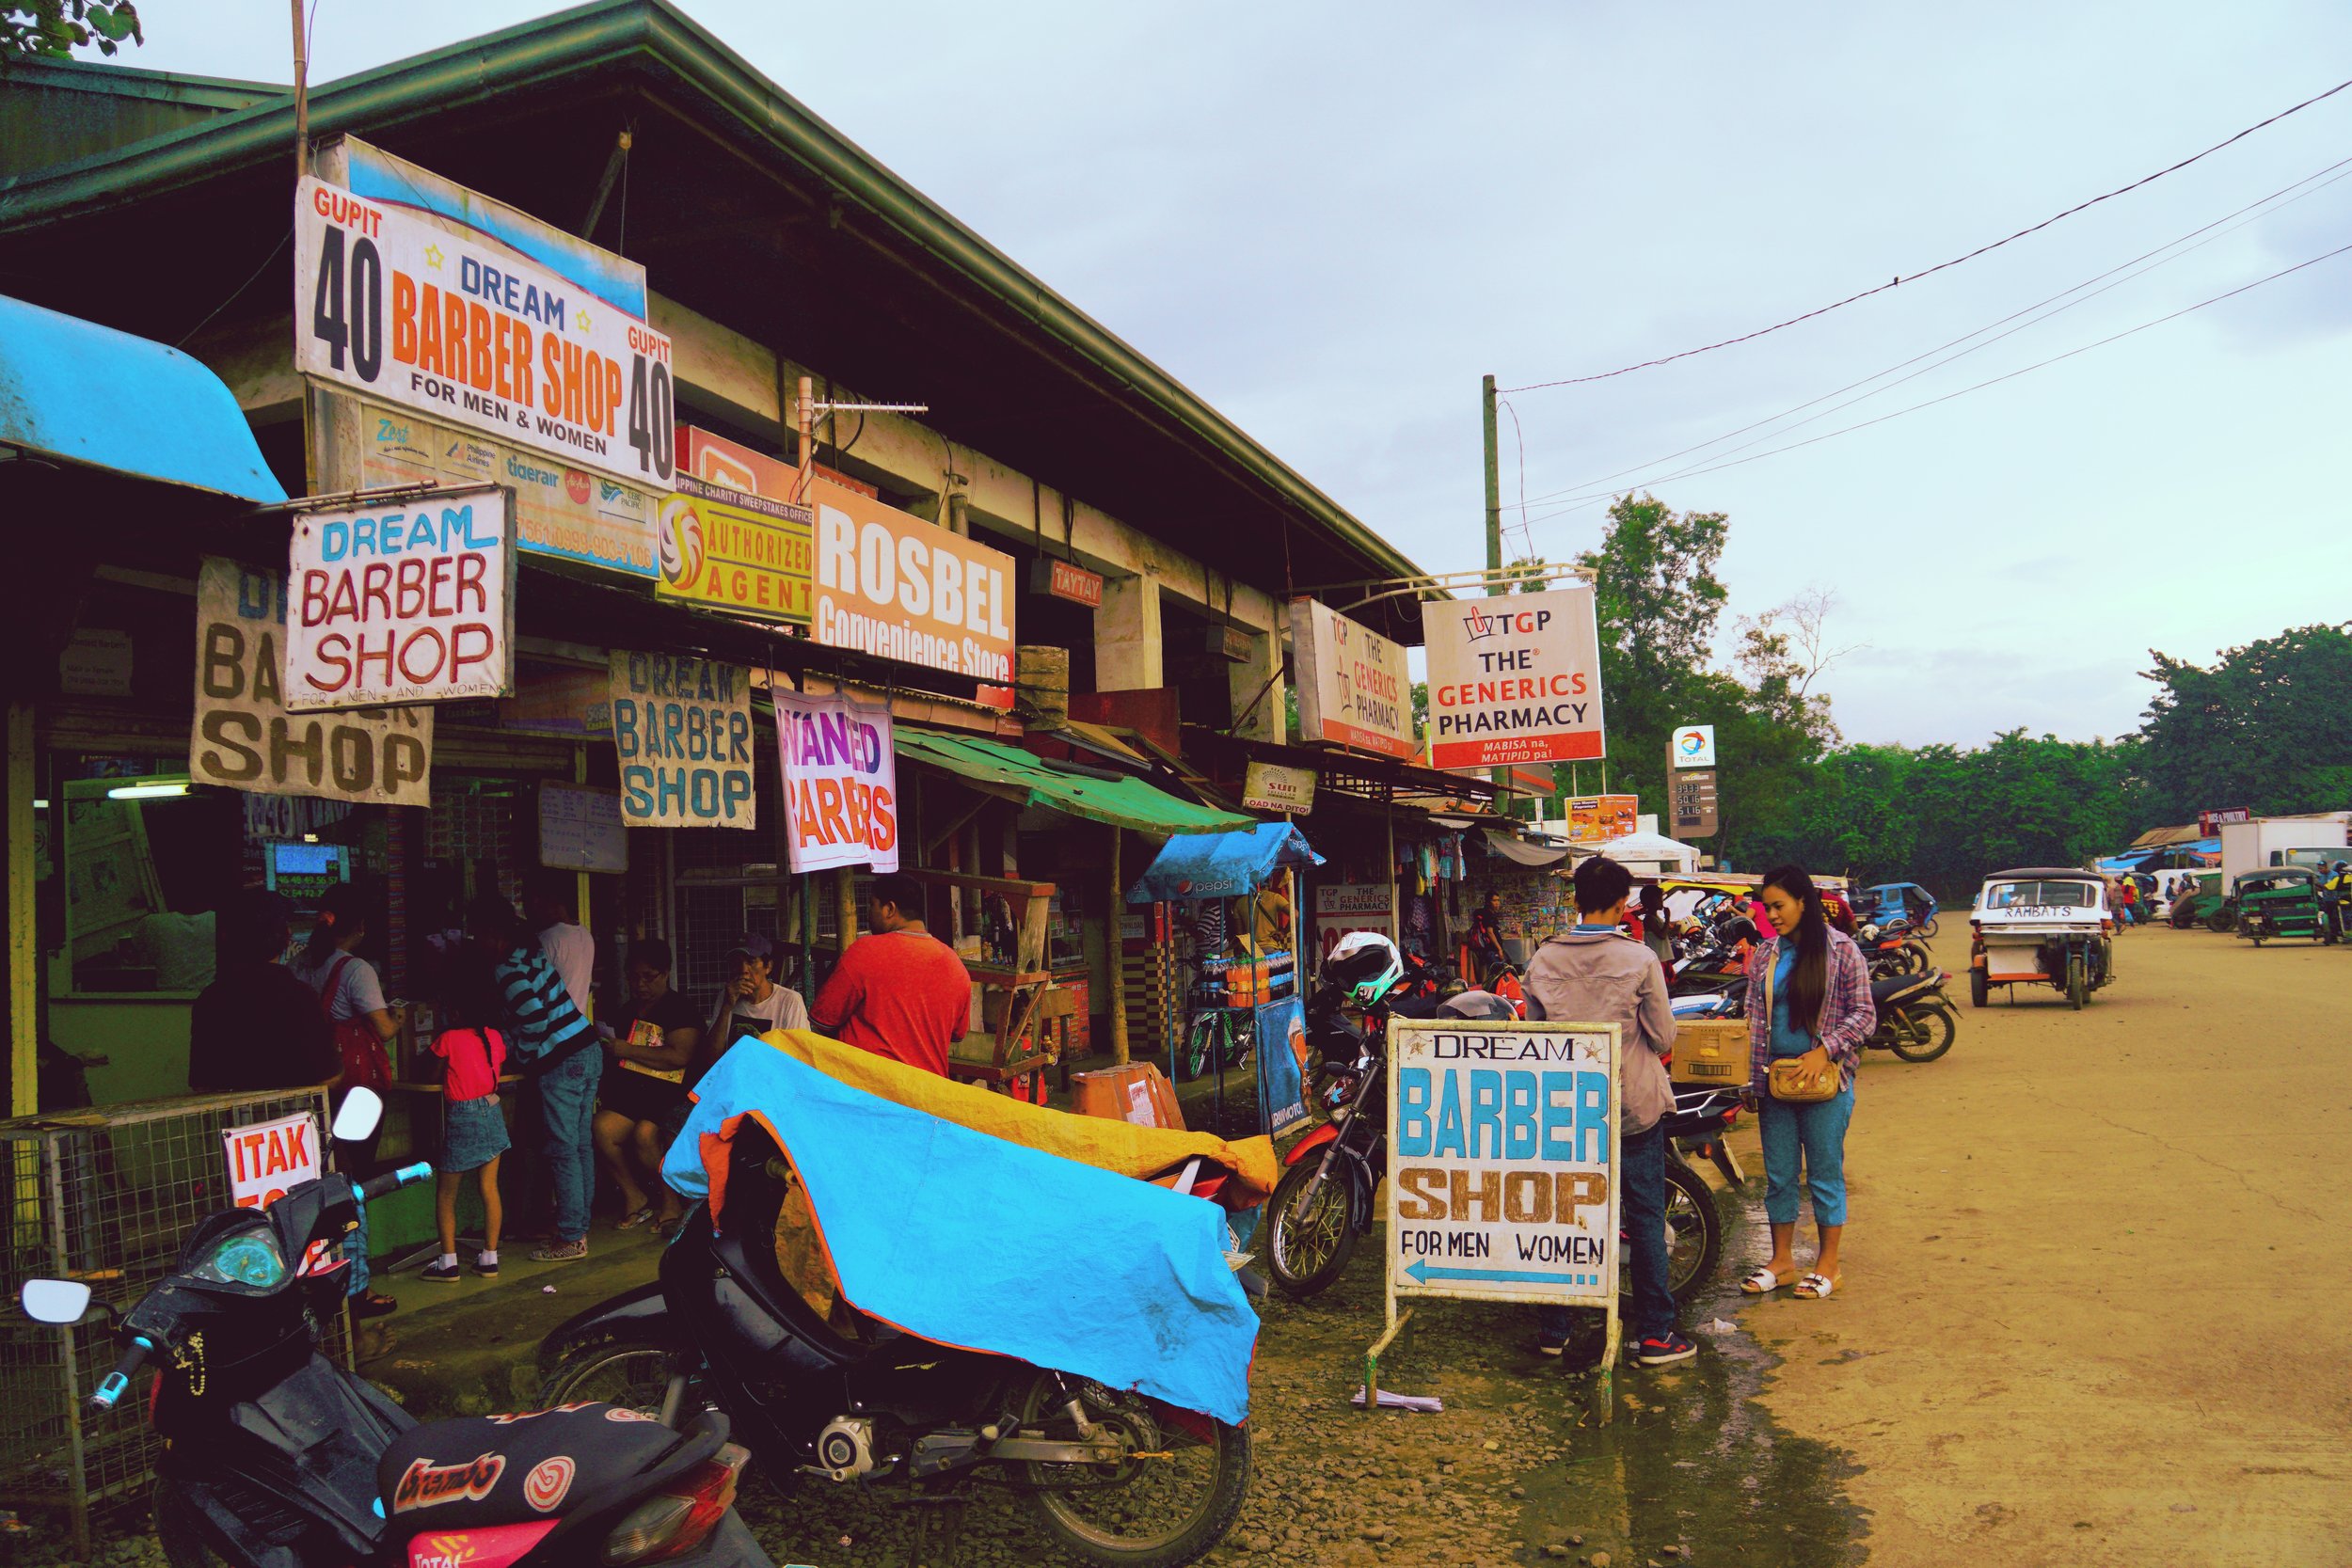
1421 1273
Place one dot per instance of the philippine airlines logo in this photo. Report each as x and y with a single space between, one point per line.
544 1488
681 541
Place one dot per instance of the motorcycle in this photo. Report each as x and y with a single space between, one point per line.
274 1457
1322 1205
1894 948
1914 1020
1712 960
1116 1477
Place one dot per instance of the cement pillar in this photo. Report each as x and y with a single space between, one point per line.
1257 679
1127 645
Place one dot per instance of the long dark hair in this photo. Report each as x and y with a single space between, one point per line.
1808 983
341 912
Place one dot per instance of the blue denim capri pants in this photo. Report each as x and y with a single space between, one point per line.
1816 1133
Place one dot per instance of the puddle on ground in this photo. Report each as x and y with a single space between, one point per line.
1694 1462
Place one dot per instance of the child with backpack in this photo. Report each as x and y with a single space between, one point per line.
474 1128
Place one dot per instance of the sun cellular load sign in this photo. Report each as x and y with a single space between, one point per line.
1513 679
423 312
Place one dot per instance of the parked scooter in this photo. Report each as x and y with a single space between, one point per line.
1712 958
274 1457
1118 1477
1894 948
1916 1020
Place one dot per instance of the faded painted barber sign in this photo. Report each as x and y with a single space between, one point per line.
1503 1158
682 729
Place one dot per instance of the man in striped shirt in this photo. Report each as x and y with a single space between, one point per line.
556 1047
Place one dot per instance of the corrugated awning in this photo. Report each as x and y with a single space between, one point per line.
1519 850
1129 803
84 393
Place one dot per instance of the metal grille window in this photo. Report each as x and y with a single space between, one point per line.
106 1197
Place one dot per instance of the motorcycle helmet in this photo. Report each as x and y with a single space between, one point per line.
1366 965
1484 1007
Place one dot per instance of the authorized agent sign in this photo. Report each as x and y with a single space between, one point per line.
1503 1171
407 603
1514 679
453 322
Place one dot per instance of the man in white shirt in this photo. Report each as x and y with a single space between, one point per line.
568 948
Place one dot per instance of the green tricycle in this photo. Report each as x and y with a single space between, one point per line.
2202 902
2282 901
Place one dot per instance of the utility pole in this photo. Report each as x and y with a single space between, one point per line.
302 96
1494 491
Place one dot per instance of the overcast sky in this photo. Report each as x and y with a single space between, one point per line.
1329 220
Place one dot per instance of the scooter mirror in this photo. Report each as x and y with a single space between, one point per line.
54 1301
362 1109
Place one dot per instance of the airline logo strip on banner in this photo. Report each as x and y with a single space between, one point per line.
892 585
840 783
1354 689
244 736
412 603
1504 1141
1513 679
427 314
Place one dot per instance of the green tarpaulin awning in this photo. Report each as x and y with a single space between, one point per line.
1129 803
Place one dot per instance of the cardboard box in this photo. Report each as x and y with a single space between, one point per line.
1138 1092
1713 1051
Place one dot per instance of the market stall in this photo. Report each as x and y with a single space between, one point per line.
1257 996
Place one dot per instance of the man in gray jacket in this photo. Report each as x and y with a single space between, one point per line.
1595 973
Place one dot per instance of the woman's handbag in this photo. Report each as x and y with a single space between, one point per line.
1791 1082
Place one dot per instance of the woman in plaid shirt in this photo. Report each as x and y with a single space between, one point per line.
1820 1009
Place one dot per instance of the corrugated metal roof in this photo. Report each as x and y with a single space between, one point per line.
84 393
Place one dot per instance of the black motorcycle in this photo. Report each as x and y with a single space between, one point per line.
1119 1478
274 1457
1916 1020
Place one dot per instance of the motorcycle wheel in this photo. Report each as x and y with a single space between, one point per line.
2221 922
1937 1025
176 1532
1307 1253
1694 1232
1979 989
631 1373
1163 1512
2077 991
1921 960
1929 930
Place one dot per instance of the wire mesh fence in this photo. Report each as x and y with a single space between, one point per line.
105 1197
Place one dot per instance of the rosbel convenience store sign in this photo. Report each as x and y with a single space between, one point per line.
425 312
892 585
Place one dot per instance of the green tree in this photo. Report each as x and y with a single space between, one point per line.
53 29
2267 725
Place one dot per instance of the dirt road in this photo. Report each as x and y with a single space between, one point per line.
2097 1274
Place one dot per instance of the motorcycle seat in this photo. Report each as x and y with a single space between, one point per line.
482 1470
1895 987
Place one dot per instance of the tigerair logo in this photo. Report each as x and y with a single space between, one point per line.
426 1485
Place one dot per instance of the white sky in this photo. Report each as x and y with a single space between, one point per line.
1330 219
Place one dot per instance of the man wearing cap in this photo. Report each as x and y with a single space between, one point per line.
751 1001
900 992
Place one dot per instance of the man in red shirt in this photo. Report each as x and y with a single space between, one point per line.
900 992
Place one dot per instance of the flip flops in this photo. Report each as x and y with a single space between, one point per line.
1819 1287
635 1218
1763 1282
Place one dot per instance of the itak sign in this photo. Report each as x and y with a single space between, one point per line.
269 1157
244 736
452 321
1503 1140
682 727
1513 679
412 603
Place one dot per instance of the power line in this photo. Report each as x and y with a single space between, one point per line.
1600 485
2011 375
1901 278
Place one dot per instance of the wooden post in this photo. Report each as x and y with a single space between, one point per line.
1116 954
24 949
580 881
845 907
